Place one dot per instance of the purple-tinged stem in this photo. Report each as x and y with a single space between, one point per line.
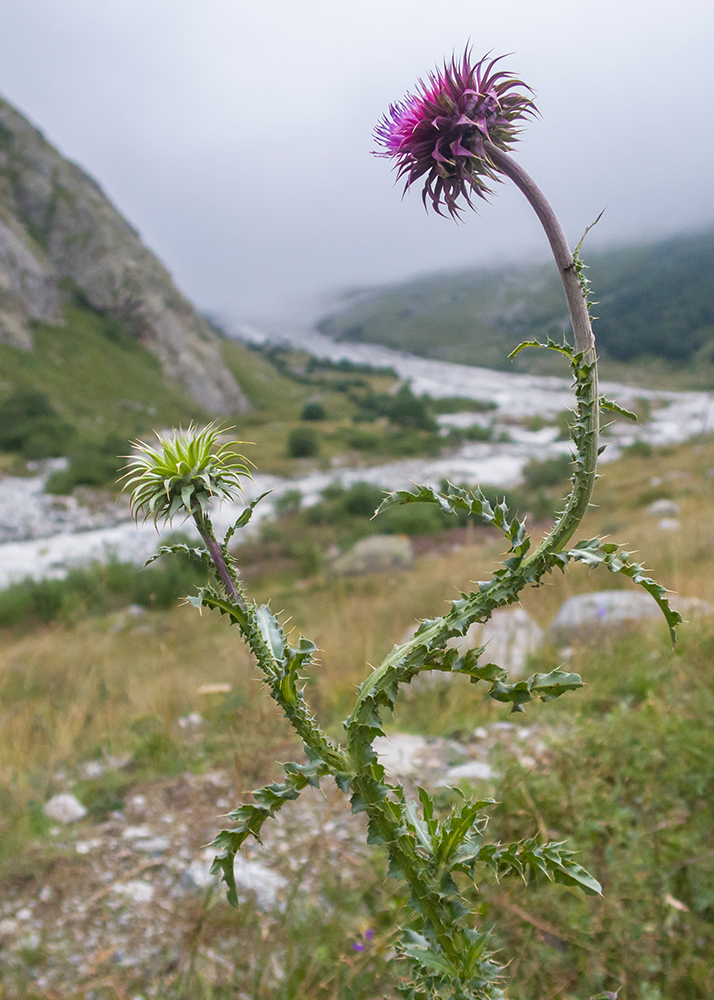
215 551
577 306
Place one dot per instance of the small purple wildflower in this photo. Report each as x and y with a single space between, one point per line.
367 937
440 130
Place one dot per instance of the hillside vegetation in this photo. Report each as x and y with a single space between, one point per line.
90 386
623 769
655 305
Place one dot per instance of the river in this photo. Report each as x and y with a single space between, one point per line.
42 536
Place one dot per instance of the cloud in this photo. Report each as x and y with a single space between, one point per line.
236 136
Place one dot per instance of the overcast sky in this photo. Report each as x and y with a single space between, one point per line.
236 135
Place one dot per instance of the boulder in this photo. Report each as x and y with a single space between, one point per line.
64 808
510 636
603 610
375 554
663 508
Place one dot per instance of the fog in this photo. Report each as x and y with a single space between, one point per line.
236 136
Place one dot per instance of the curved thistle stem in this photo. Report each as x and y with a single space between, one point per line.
577 302
576 297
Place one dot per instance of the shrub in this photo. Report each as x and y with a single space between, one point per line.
288 502
550 472
313 411
414 519
362 499
303 443
29 424
89 465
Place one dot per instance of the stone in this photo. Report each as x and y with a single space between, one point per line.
191 721
669 524
477 770
64 808
151 845
137 890
603 610
136 832
252 878
510 636
375 554
663 508
692 607
401 753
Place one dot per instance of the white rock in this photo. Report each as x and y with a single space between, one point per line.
136 832
252 878
7 926
137 891
375 554
191 721
472 769
669 524
92 769
138 802
603 609
64 808
24 914
152 845
692 607
663 508
510 636
260 881
401 753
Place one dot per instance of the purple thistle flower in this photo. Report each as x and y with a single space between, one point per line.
440 130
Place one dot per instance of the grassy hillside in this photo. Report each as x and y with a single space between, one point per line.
89 387
655 309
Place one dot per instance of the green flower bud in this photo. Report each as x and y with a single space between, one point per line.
184 472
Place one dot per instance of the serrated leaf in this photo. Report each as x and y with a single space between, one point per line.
245 516
271 631
612 406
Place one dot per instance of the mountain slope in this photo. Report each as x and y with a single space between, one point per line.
655 306
62 240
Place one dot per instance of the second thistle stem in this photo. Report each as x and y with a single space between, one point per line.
225 573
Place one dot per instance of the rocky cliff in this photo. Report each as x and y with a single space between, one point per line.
61 237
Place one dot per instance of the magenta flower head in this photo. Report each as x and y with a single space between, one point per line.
440 131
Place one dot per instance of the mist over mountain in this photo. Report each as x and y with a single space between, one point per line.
655 309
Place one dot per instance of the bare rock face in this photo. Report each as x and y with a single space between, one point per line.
58 230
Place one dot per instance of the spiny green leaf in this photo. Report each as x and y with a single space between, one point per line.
610 404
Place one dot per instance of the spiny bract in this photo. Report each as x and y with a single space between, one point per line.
441 129
186 470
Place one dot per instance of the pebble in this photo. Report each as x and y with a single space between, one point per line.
64 808
473 769
663 508
191 721
137 891
136 832
152 845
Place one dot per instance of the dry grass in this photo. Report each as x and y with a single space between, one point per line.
72 692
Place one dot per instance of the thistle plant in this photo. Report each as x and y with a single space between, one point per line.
454 134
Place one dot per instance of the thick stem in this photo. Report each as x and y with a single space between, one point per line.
579 499
577 306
